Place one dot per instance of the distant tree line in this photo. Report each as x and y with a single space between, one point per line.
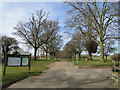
79 43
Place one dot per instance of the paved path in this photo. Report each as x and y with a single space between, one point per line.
64 75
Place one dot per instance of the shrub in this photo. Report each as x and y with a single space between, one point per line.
115 57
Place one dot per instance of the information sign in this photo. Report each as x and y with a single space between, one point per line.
24 61
21 60
14 61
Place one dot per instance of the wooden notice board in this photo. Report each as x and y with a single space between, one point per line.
20 60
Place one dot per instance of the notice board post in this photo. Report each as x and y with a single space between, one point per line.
29 62
5 64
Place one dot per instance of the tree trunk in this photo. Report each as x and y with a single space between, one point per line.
106 57
54 55
46 54
79 56
90 55
35 52
101 51
50 55
4 57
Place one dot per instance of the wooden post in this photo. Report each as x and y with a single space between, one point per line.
119 64
29 62
21 61
5 64
114 66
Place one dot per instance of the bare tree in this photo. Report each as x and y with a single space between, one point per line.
54 46
75 45
109 47
71 48
31 31
50 34
78 40
65 52
100 17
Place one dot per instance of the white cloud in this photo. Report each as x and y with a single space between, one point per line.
10 19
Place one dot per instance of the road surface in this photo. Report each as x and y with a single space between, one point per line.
64 75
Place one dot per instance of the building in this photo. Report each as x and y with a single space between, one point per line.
42 56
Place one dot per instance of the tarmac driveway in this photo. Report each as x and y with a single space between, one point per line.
64 75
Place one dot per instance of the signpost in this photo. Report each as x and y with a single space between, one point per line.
21 60
77 58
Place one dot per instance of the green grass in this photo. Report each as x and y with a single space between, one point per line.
96 62
14 74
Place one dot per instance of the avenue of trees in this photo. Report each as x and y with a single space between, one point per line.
95 24
40 32
99 17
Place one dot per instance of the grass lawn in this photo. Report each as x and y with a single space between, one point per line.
96 62
14 74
